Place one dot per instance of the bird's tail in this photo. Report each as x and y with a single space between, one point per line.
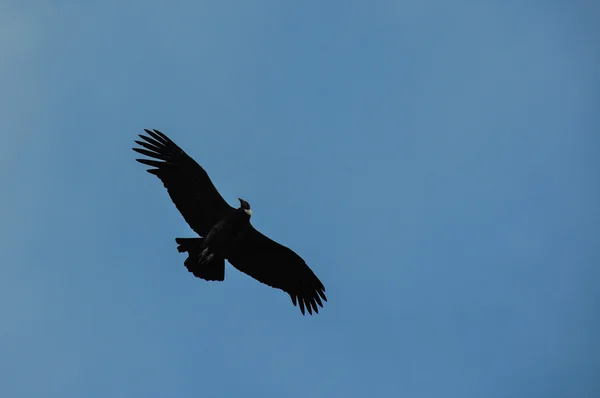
200 262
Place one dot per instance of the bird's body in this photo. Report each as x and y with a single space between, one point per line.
225 232
221 240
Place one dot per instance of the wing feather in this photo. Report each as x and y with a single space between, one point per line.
280 267
187 183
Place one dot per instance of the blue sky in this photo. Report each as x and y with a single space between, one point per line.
436 164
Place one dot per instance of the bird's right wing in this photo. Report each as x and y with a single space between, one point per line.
187 183
280 267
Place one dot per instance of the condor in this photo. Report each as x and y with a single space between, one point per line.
225 233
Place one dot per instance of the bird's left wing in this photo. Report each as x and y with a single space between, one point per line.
187 183
277 266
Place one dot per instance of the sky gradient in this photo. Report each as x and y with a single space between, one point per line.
435 163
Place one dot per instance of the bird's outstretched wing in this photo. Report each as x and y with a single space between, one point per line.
187 183
278 266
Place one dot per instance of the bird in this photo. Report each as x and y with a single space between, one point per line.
225 232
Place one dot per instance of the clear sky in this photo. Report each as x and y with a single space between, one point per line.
436 163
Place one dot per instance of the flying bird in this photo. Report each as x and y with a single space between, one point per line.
224 232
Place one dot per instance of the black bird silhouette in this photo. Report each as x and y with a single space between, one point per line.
225 232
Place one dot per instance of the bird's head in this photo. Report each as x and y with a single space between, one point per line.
245 206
